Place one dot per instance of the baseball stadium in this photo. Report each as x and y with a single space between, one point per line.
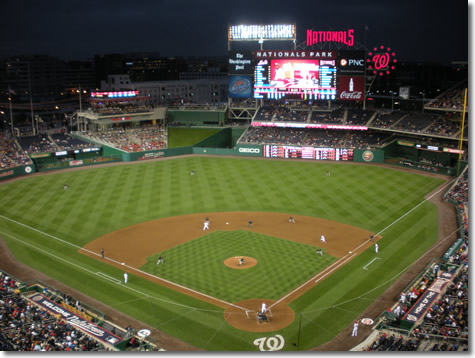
296 216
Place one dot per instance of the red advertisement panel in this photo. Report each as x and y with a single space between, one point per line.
351 88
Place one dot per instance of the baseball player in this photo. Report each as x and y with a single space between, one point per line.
291 220
66 187
319 252
263 308
160 260
322 239
102 252
241 261
126 277
250 223
328 173
192 172
376 248
355 329
206 224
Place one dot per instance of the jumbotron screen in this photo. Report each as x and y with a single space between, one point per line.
307 79
288 151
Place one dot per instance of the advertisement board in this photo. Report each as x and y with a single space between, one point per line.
351 88
240 62
240 86
351 62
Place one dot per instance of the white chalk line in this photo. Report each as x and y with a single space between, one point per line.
115 261
390 279
373 260
359 246
94 273
115 280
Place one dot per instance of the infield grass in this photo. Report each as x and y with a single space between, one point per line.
45 227
281 266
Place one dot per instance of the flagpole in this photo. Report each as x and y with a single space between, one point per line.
31 100
11 113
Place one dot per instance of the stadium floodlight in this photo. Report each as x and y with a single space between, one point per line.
262 32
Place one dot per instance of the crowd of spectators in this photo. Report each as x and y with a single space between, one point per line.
112 107
37 144
451 99
26 327
10 154
415 122
447 124
67 142
314 137
132 139
459 194
336 116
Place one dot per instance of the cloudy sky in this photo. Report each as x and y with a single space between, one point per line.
417 30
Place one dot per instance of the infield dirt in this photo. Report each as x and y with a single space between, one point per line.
134 244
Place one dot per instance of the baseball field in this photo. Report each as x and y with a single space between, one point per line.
200 294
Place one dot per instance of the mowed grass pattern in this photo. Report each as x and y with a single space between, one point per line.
282 265
101 200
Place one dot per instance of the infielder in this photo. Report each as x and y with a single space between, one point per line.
291 220
319 252
206 224
322 239
250 223
102 252
355 329
160 260
126 277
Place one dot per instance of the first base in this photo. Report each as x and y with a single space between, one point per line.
123 263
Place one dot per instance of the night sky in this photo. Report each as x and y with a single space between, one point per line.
428 30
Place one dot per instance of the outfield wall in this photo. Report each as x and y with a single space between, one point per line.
196 117
17 171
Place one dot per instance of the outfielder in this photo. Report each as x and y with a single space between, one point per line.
206 224
322 239
160 260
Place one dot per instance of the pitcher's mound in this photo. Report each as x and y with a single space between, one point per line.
236 263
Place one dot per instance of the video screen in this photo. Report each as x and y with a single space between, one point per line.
308 79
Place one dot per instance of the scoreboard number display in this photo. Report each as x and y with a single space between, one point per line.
296 152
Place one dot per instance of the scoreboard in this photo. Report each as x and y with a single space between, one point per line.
287 151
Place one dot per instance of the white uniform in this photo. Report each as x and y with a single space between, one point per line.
322 239
264 308
376 248
126 277
206 225
355 329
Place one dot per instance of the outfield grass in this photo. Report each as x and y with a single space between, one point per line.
281 266
101 200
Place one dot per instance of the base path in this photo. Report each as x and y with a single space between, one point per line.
132 245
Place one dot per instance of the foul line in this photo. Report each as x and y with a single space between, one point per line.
358 247
373 260
117 262
415 207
